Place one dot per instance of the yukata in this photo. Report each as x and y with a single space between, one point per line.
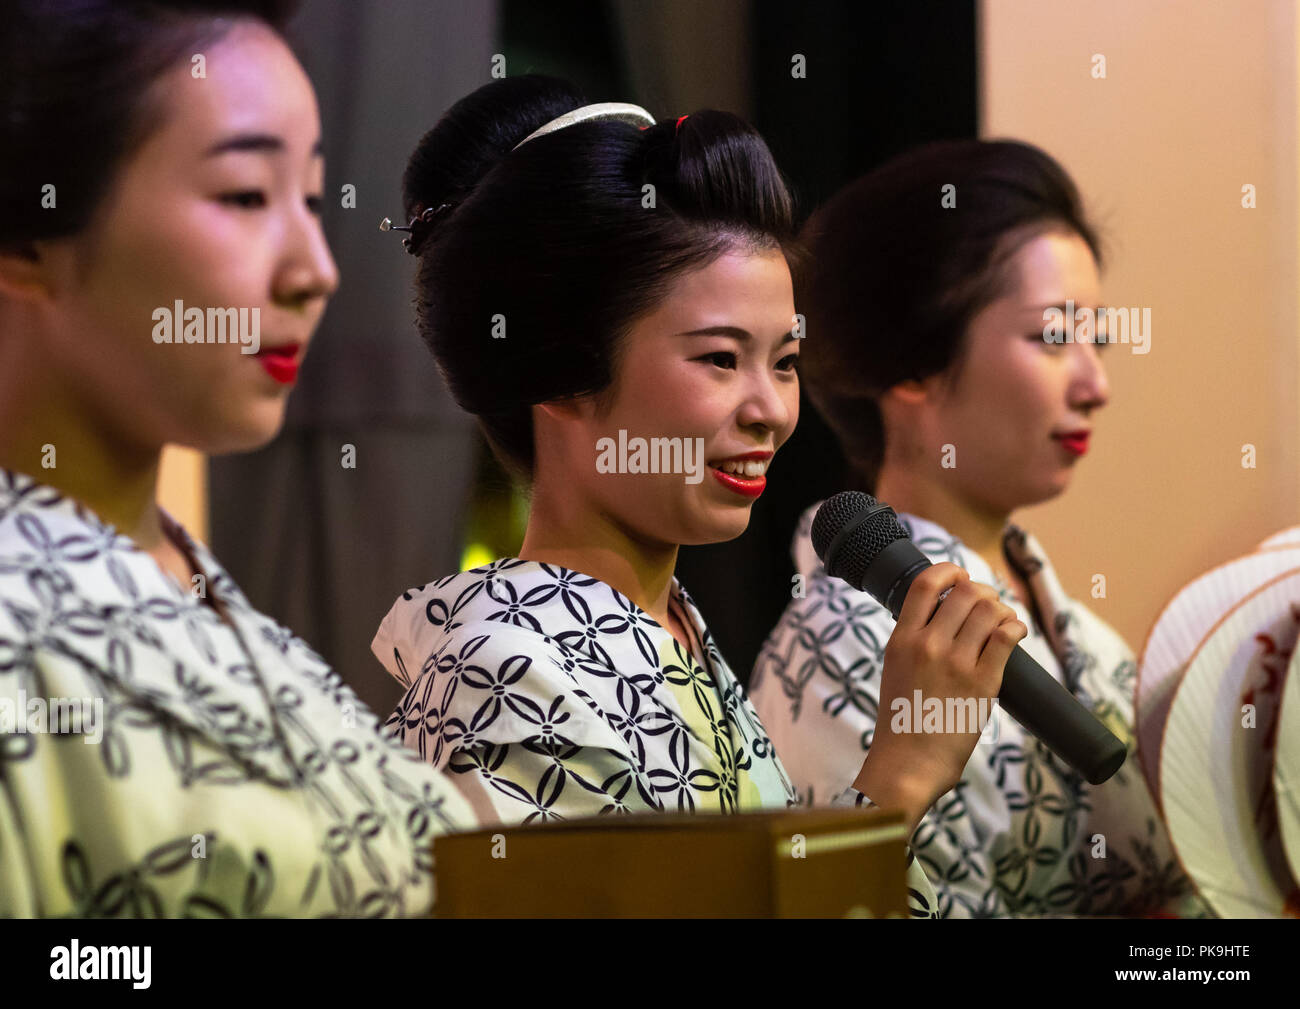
551 695
1022 834
157 760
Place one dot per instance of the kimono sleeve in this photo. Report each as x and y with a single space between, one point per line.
500 706
921 900
18 898
1123 812
26 755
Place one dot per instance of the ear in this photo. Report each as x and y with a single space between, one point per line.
569 408
910 392
23 273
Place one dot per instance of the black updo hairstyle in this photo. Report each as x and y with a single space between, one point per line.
554 238
75 95
893 278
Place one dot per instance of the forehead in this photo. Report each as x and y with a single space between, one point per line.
1051 267
251 82
754 285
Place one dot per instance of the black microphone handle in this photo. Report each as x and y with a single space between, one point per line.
1029 694
1046 709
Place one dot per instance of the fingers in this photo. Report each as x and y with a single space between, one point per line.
923 594
993 660
986 613
957 652
956 609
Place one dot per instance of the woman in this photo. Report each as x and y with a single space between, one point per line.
932 357
230 771
610 297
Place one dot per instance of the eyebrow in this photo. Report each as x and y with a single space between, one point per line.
1060 306
735 332
259 142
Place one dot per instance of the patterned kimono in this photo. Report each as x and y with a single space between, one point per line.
552 695
209 769
1022 834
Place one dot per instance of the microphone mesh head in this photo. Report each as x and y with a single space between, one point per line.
856 553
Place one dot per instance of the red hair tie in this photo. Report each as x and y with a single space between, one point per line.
675 128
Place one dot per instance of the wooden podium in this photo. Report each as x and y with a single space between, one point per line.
769 864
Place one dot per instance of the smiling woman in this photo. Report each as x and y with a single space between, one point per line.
231 772
598 278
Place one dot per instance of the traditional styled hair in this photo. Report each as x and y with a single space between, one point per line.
76 83
549 253
898 265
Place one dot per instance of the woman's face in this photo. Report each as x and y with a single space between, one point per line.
1016 393
713 366
217 209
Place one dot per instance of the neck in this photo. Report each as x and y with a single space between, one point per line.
50 436
571 533
980 529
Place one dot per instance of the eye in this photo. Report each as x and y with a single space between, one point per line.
721 358
789 363
245 199
1047 344
315 204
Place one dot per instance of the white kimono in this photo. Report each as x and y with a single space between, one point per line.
1022 834
213 770
552 695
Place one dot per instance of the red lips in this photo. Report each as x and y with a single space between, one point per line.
750 487
281 363
741 485
1075 442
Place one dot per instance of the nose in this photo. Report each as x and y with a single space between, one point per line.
307 272
1089 388
770 405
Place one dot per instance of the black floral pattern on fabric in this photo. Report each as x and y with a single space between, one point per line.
558 697
1021 834
231 771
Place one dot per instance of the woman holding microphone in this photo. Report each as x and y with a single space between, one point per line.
610 297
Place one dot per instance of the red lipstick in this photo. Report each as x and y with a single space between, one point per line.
1075 442
750 487
281 363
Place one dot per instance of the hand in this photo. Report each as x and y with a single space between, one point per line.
960 653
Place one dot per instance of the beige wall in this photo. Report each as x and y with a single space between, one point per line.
1200 98
183 489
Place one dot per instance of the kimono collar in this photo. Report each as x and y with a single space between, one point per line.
931 539
1076 636
81 586
576 609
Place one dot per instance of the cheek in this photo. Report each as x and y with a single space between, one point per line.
790 396
191 249
1025 388
187 254
670 397
194 393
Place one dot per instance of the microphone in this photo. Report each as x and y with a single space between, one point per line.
861 541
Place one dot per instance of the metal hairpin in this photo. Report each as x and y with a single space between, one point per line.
424 217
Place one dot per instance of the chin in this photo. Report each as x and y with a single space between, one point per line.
717 529
1041 494
253 429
